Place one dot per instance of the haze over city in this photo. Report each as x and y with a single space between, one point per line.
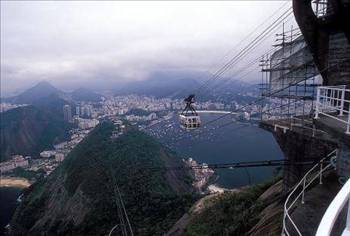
99 44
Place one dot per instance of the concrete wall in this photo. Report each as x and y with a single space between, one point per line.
299 147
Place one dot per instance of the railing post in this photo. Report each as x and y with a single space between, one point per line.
342 102
302 196
348 217
284 223
318 102
330 216
321 167
348 124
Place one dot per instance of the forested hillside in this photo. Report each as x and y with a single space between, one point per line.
79 197
31 129
255 210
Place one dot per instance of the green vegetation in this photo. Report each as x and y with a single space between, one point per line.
28 174
154 198
230 213
31 129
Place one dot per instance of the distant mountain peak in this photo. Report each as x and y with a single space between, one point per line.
44 85
40 90
85 94
82 89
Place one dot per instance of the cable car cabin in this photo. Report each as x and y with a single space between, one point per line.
189 119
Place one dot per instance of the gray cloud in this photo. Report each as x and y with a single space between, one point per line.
69 43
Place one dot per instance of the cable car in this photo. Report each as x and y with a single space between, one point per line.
189 119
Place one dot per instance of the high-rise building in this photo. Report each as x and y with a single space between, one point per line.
67 113
77 110
86 111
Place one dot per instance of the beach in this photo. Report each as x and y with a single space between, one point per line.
14 182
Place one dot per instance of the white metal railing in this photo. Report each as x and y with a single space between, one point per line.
114 227
338 204
316 172
332 99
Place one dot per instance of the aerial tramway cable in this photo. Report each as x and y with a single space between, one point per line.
257 59
122 213
261 99
251 63
184 117
229 63
258 39
234 165
205 124
239 43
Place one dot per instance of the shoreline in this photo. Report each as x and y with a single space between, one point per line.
14 182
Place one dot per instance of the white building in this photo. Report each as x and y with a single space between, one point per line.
86 111
47 154
87 123
59 157
60 145
16 161
7 166
77 111
67 113
20 161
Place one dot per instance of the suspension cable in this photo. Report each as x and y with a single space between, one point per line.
270 94
256 41
243 40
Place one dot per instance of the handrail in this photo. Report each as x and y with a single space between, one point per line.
304 184
333 99
333 210
110 232
334 86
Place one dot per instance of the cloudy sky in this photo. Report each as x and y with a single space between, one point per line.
77 43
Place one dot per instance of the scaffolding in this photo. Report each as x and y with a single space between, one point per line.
289 78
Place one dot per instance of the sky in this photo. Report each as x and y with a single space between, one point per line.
72 44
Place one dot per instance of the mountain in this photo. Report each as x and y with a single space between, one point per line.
41 90
159 87
162 84
81 196
229 90
180 85
31 129
83 94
